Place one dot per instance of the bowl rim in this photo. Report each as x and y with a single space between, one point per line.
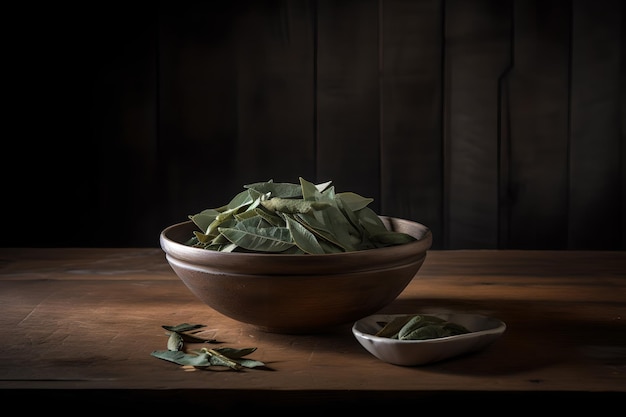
169 245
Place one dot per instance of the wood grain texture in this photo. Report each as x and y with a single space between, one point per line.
86 320
411 155
478 42
197 115
348 97
499 124
275 95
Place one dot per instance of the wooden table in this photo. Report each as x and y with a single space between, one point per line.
79 325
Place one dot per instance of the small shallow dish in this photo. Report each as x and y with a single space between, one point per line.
483 331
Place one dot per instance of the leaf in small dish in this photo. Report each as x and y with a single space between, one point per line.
420 327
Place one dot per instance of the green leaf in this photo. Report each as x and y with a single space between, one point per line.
353 201
190 338
353 226
225 356
391 238
231 247
270 217
234 353
205 358
303 237
338 222
293 205
175 341
217 359
420 327
392 328
422 333
246 215
370 222
202 238
242 199
231 357
249 363
276 189
228 221
322 187
182 358
309 191
294 250
268 239
204 219
329 195
183 327
318 228
345 233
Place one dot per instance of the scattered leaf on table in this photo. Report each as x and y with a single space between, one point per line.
183 327
210 357
175 341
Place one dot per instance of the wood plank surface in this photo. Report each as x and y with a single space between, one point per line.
82 323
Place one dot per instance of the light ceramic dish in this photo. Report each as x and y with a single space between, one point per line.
484 331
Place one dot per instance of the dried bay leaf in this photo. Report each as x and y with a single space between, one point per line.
303 238
224 356
288 205
235 353
180 358
270 239
183 327
334 222
392 328
190 338
269 216
420 327
207 357
179 334
278 189
319 229
175 341
204 219
353 201
250 363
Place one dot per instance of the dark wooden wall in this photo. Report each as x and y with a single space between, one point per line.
497 123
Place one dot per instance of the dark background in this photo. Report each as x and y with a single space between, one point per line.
497 123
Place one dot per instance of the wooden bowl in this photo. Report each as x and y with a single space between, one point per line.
296 294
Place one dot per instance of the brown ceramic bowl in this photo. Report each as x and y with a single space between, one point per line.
295 294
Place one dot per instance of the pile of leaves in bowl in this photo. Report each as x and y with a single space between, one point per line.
304 218
420 327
